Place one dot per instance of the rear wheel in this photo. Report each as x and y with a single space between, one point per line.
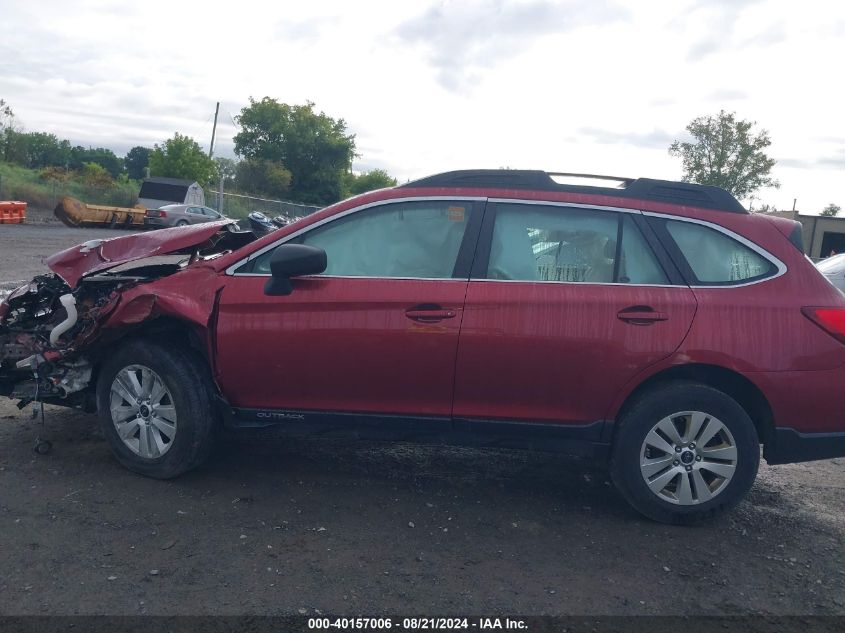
684 452
182 223
155 407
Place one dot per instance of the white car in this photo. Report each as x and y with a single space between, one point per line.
833 268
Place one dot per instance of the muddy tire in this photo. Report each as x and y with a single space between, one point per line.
155 406
684 453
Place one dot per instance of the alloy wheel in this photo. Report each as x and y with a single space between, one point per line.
688 458
142 411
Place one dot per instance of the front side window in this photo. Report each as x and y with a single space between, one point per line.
538 243
716 258
400 240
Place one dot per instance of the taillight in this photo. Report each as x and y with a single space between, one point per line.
162 214
831 320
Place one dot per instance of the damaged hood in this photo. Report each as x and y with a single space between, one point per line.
97 255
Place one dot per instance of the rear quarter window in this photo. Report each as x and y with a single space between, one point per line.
715 258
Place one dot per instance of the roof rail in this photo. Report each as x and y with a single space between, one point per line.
555 175
685 193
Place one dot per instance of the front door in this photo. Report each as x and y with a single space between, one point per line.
376 333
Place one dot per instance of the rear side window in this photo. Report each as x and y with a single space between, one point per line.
538 243
715 258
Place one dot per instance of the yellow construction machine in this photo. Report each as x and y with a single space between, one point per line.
74 212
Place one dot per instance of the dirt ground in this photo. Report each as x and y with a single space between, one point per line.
289 527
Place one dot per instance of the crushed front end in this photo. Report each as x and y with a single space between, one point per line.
55 329
42 326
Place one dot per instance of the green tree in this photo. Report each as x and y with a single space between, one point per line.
6 118
136 162
315 148
226 170
726 153
831 210
766 208
6 114
16 149
263 177
37 150
367 181
101 156
182 157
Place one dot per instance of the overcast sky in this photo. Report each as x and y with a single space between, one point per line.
598 86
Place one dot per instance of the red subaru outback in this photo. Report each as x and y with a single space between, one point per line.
655 325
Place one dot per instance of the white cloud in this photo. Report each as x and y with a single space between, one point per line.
463 40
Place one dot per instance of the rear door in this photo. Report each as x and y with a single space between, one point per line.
376 333
565 305
195 215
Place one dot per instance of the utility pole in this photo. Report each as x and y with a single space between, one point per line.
220 195
214 130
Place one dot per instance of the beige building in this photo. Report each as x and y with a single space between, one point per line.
822 235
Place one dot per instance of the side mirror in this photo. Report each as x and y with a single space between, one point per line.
293 260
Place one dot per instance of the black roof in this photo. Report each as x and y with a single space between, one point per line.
171 181
166 189
684 193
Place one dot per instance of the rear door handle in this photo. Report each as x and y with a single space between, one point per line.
429 313
641 315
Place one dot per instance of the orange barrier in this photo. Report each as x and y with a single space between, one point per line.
12 212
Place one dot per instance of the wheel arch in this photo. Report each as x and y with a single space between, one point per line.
168 348
744 391
163 330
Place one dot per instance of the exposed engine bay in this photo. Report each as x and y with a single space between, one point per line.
54 329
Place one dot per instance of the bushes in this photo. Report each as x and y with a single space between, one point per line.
44 188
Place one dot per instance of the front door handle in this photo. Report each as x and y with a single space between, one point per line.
429 313
641 315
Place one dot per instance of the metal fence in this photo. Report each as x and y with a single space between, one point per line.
237 205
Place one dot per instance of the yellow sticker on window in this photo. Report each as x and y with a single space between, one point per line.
456 214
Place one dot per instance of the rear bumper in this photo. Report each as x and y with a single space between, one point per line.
788 446
155 223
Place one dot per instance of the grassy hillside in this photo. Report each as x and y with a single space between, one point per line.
30 186
44 188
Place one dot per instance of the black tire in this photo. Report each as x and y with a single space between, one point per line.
653 406
186 377
182 223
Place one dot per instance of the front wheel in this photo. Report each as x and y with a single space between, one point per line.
155 407
684 452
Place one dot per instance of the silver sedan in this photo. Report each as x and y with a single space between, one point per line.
179 215
834 269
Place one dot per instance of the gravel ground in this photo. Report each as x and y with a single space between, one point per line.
287 527
24 246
